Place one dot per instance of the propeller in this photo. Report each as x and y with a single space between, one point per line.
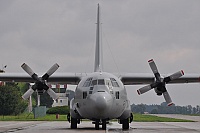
160 83
40 82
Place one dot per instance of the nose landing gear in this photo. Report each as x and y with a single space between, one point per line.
100 122
97 122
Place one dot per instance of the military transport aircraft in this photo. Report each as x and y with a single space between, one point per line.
100 96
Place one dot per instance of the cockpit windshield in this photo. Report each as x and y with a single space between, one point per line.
98 82
90 82
101 82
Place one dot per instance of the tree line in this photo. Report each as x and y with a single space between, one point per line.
11 102
164 109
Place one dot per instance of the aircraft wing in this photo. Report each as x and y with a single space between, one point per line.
141 78
68 78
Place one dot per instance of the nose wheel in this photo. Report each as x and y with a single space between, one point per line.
102 122
97 124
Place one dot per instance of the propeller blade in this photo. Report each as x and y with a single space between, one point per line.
30 71
27 69
167 98
28 94
144 89
153 66
174 76
50 71
52 94
155 70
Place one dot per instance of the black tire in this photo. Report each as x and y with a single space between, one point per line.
125 124
97 124
104 125
73 123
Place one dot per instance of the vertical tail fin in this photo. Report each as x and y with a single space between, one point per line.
98 52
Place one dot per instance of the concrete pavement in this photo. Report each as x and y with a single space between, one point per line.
88 127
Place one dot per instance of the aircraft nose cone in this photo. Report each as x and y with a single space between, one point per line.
101 101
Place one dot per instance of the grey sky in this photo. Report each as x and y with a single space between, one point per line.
41 33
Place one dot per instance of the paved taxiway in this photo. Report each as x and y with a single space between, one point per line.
87 127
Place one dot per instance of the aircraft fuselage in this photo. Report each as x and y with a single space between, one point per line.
101 96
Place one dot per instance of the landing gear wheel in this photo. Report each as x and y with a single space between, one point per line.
73 123
125 124
104 124
97 124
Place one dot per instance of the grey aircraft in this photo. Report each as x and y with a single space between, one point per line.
100 96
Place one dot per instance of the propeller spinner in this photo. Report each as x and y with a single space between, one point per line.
160 83
40 82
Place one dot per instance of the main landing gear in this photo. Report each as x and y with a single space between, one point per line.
74 123
125 122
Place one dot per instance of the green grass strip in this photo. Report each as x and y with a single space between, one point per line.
136 118
30 117
151 118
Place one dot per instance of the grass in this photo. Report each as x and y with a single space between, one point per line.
151 118
137 118
30 117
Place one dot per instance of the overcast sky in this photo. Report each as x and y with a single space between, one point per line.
43 32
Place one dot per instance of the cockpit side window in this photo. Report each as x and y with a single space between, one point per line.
109 84
114 82
87 82
117 94
84 94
